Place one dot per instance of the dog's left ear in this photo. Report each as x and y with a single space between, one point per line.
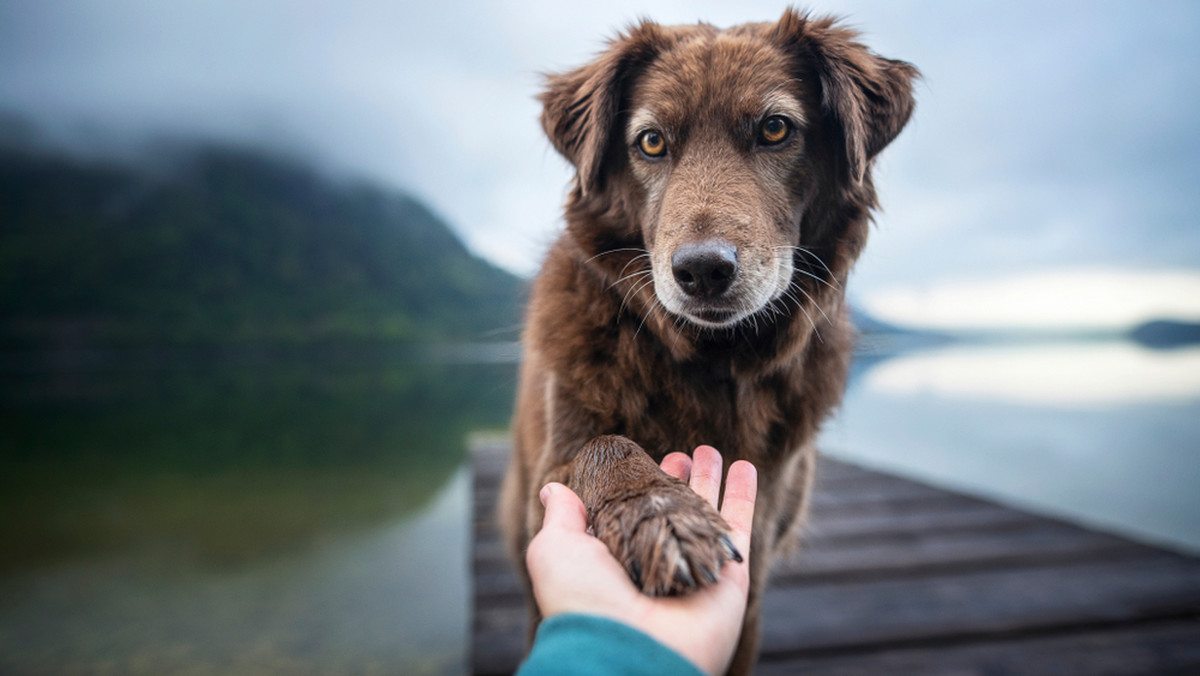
867 98
581 107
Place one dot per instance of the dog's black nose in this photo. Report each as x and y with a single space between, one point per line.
705 269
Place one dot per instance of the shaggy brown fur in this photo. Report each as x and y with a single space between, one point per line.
722 194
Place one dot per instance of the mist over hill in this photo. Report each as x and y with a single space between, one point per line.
225 245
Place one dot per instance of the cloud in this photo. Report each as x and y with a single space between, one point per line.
1045 135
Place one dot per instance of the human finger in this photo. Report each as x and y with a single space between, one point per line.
678 465
741 490
564 509
706 473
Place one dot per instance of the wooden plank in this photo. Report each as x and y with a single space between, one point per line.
1166 648
498 584
497 650
899 577
911 554
954 606
862 493
953 515
830 470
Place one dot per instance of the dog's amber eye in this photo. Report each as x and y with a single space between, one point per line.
774 130
652 143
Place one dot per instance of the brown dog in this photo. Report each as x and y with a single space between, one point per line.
723 192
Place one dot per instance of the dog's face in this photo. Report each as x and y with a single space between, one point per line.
711 148
718 154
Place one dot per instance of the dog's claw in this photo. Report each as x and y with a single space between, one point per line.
683 576
730 550
709 575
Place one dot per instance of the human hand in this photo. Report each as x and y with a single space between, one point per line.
573 571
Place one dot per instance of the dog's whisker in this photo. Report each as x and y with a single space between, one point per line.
831 282
631 261
816 332
817 278
630 276
612 251
832 278
806 251
632 293
814 303
624 303
800 306
655 305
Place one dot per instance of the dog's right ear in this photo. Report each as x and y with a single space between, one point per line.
867 98
581 107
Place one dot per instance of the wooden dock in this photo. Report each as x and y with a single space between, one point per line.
897 577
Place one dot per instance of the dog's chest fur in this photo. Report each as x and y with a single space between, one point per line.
732 390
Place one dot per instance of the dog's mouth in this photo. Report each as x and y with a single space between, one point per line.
722 312
713 284
712 317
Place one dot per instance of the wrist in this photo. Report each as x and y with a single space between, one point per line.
589 643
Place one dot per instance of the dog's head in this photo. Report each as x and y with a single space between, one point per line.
736 159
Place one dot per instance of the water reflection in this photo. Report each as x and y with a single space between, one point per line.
385 598
300 517
1092 375
1101 433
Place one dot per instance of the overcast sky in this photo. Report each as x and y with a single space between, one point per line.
1048 136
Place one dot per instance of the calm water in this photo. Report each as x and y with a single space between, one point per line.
310 515
1104 433
283 516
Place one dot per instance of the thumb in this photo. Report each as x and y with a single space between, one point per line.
564 509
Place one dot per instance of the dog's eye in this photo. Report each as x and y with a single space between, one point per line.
652 143
773 130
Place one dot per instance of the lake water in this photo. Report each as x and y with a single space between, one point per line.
310 515
1102 433
303 515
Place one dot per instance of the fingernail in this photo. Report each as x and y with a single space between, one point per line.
544 494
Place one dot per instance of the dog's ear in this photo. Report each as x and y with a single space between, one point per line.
581 107
867 98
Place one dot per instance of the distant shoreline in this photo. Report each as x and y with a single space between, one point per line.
25 359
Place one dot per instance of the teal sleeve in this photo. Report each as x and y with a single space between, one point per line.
586 645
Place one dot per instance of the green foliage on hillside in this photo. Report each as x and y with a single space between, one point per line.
230 246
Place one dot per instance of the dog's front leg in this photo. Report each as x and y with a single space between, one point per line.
668 538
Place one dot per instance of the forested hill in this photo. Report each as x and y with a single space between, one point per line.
230 246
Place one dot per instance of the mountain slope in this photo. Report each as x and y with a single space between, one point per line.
228 246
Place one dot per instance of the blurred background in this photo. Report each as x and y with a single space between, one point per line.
261 269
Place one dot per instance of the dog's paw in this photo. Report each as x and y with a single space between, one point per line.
669 539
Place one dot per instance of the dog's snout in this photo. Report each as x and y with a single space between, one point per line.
705 269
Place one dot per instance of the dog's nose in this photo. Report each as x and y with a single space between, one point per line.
705 269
